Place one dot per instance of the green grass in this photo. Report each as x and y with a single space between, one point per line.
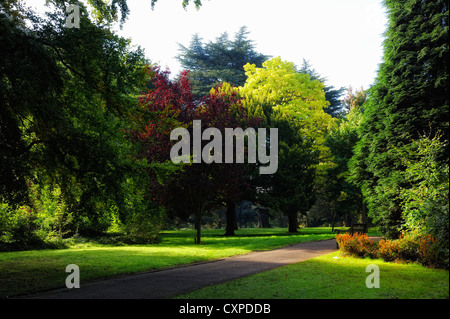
328 277
36 270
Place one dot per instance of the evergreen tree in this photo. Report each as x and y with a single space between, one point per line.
410 97
221 61
332 95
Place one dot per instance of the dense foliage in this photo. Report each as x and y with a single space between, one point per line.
66 98
342 198
197 185
410 99
87 122
294 103
213 63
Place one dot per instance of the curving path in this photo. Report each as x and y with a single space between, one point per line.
168 283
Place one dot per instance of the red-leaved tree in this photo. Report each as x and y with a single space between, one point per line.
222 109
169 104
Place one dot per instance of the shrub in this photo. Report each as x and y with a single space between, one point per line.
410 247
51 211
358 245
425 203
41 224
407 246
18 228
388 250
429 251
142 227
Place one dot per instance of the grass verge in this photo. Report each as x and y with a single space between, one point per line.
334 277
36 270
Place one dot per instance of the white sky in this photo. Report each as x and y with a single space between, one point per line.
342 39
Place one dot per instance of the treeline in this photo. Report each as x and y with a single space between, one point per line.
87 122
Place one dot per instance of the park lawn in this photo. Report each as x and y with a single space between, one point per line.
332 276
36 270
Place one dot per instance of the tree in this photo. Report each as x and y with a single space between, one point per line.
343 197
216 62
223 109
184 190
410 97
294 103
332 95
166 106
66 97
109 11
277 86
291 189
196 186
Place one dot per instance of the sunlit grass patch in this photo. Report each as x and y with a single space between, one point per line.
31 271
334 277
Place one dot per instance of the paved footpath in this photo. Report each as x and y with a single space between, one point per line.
171 282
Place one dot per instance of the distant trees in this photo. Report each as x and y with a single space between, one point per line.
223 60
192 188
275 95
342 197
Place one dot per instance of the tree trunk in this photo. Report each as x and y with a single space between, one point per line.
263 217
198 227
231 218
363 211
293 222
333 221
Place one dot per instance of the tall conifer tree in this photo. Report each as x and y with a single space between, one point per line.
213 63
410 98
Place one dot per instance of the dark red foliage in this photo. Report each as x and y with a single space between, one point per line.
170 104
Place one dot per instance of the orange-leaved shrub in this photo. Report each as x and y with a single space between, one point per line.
388 250
410 247
428 251
358 245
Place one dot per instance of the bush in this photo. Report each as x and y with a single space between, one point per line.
143 227
41 224
18 228
425 201
358 245
51 211
410 247
388 250
429 252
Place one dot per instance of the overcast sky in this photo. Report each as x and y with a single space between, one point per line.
342 39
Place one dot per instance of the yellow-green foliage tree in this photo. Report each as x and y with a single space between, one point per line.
277 88
293 103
